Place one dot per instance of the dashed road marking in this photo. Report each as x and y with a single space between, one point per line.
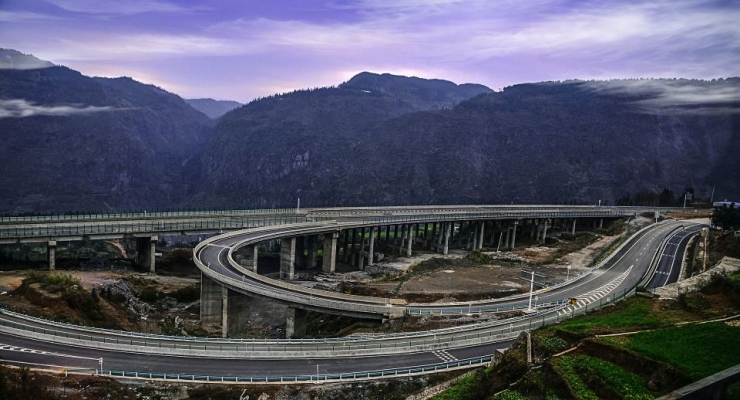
7 347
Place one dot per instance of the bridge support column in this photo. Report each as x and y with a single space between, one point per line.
448 228
287 258
573 229
544 232
513 235
508 235
360 254
345 252
145 252
440 236
234 313
482 233
51 254
601 223
410 241
329 265
403 240
255 257
211 300
371 247
295 323
313 251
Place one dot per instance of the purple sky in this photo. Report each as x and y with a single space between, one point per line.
242 49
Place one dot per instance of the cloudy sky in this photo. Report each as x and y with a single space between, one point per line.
242 49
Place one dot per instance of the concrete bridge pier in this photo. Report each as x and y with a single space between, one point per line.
513 234
312 247
287 258
573 229
544 232
234 313
146 251
482 225
410 241
601 223
51 253
211 300
295 323
329 263
371 247
446 247
361 252
255 257
403 240
440 236
345 248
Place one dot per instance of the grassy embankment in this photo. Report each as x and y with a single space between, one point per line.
671 348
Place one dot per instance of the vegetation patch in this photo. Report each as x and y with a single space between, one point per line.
565 366
632 314
699 350
629 386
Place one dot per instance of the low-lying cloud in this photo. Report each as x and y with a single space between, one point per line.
20 108
677 96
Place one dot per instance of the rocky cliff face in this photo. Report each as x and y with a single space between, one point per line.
70 142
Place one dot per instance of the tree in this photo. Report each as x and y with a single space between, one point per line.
727 218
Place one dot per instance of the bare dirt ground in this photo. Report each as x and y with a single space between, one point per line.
430 277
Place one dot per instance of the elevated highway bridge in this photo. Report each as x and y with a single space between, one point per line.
229 261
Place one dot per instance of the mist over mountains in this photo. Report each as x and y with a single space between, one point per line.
72 142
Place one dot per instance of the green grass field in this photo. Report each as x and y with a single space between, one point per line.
633 314
699 350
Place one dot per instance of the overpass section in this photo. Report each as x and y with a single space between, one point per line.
229 262
337 358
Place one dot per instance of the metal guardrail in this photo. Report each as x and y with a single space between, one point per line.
164 226
272 379
133 223
138 215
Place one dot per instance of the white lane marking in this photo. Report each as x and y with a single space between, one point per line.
444 355
7 347
217 245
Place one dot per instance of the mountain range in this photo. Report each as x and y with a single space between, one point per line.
73 142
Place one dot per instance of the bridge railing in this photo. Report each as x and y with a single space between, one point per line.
275 379
71 217
148 227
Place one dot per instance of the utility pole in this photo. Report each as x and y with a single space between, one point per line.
706 236
531 291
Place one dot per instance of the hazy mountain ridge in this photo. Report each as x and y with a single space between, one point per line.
72 142
548 142
78 143
214 109
270 150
